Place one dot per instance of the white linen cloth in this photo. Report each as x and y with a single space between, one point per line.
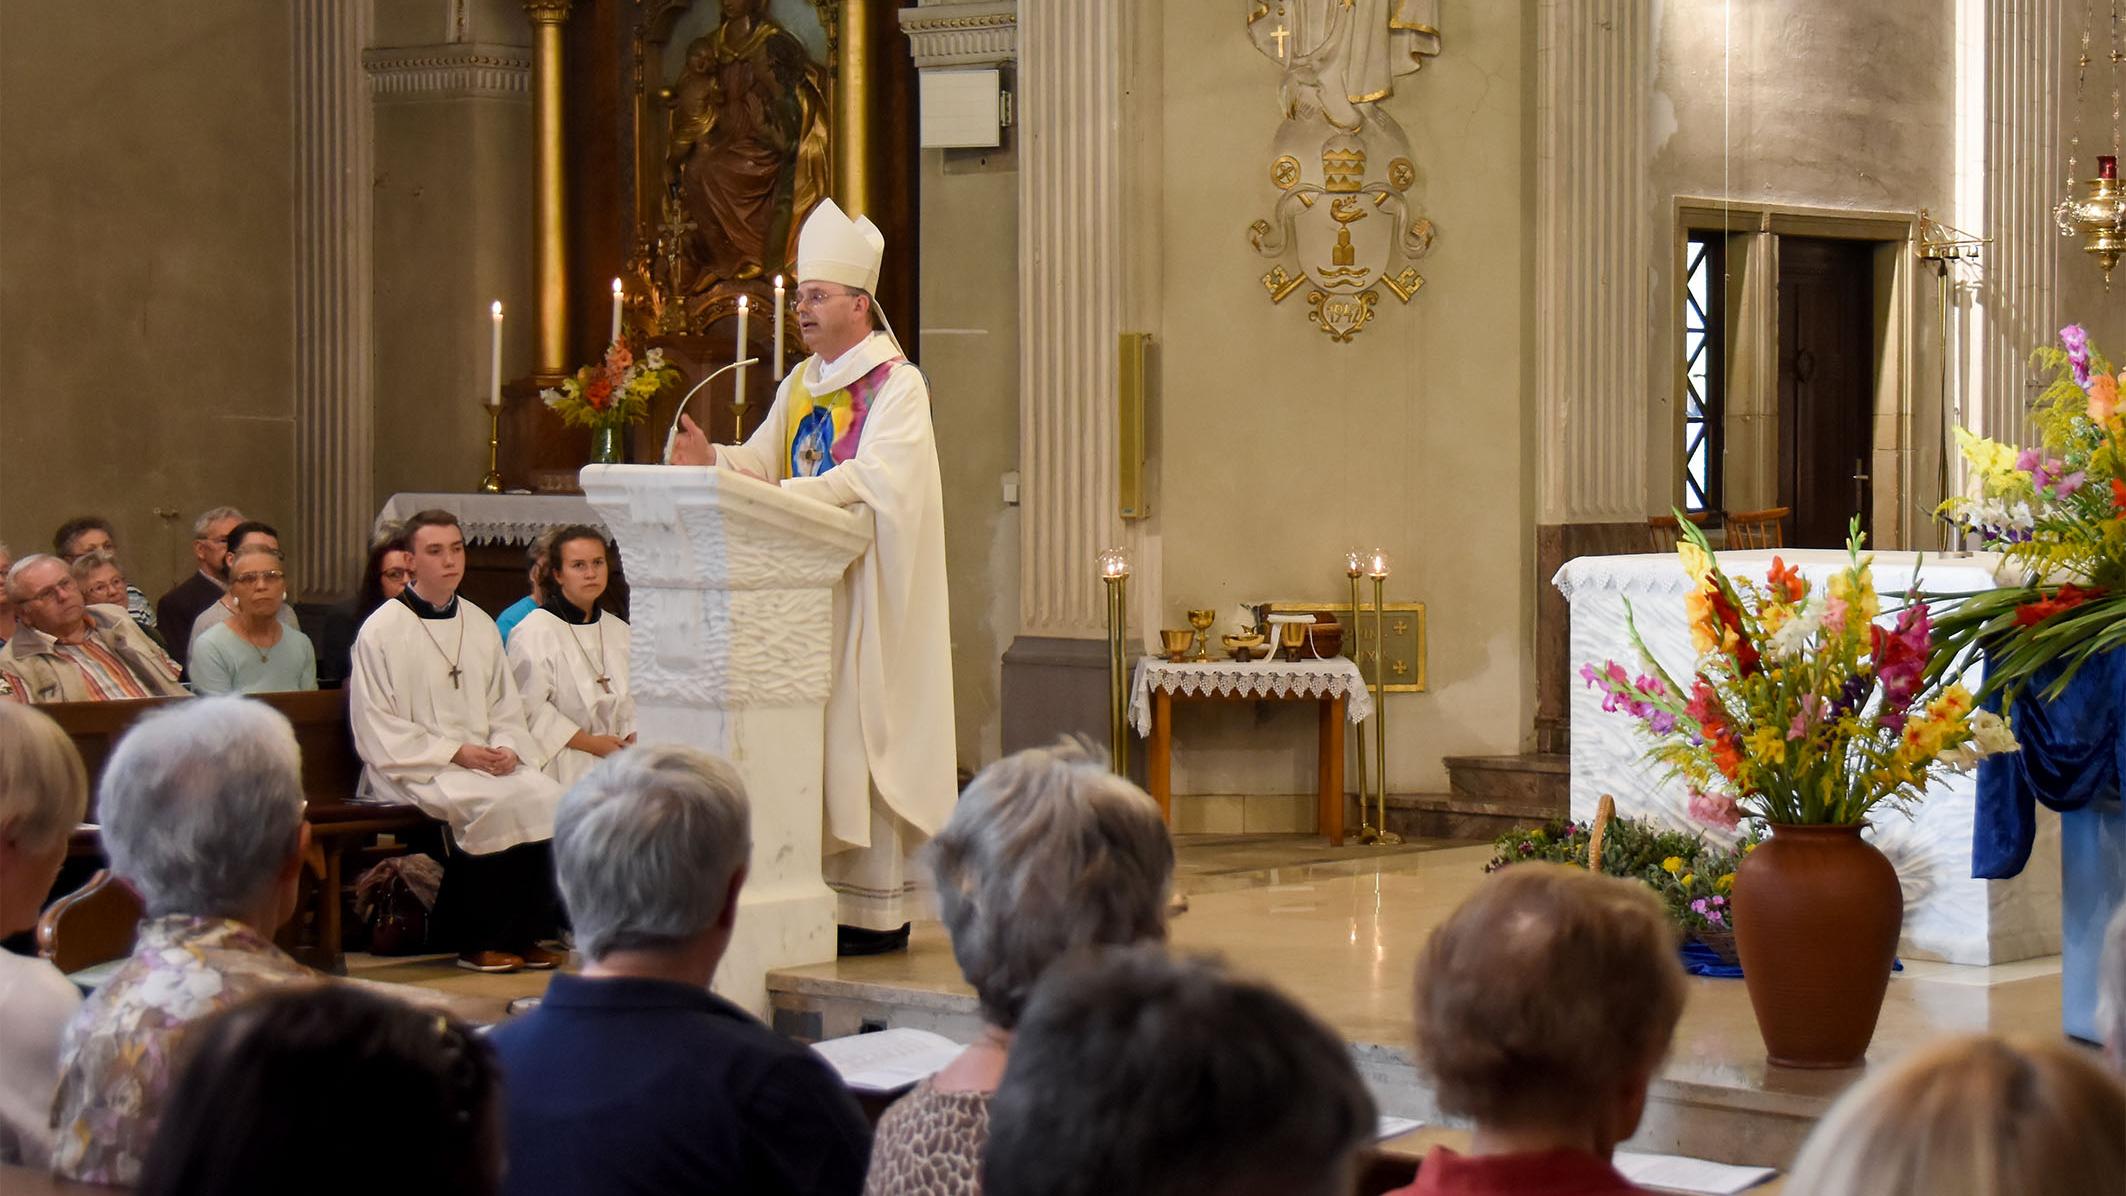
557 665
494 518
1338 675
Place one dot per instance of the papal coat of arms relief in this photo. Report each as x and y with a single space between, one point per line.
1342 228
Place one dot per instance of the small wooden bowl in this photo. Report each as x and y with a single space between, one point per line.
1177 642
1327 639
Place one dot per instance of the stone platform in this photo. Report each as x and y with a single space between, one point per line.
1340 930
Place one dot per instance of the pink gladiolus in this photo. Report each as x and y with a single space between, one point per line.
1714 809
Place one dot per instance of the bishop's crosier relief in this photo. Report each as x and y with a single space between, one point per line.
1342 226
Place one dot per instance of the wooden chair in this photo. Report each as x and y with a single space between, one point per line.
94 924
1663 532
1757 529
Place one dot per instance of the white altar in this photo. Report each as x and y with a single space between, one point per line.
1948 915
494 518
731 653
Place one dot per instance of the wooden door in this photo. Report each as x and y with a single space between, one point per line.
1826 386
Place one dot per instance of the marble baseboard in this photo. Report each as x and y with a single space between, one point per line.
1244 814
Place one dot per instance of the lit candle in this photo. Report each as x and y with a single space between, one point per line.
1379 567
1354 563
494 360
1114 564
743 313
778 328
618 294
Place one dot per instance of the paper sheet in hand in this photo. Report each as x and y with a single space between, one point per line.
887 1060
1394 1127
1678 1174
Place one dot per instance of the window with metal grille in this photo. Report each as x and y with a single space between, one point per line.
1704 368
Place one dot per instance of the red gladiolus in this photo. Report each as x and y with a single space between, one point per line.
598 394
1786 582
1730 621
2118 495
2030 614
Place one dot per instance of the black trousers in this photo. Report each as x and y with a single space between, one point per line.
506 901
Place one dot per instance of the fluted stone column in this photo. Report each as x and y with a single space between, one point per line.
1594 248
1087 183
334 332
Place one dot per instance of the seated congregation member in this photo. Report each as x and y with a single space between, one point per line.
7 608
1545 1004
1972 1115
384 575
254 652
202 812
285 1092
535 570
43 795
102 582
570 659
248 534
65 650
439 724
176 611
1135 1072
634 1077
77 538
1047 852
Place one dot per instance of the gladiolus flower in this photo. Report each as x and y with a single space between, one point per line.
1696 562
1716 810
1786 581
2075 340
2103 397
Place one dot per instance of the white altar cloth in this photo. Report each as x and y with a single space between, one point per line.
1329 678
1948 915
496 518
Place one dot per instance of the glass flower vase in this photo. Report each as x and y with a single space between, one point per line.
605 445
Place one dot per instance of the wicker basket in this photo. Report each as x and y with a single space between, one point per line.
1720 943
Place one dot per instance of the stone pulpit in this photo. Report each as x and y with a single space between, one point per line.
732 652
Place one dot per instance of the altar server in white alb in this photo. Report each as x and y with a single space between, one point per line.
439 724
852 425
569 656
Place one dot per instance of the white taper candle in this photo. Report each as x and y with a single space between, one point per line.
739 399
617 295
494 360
777 375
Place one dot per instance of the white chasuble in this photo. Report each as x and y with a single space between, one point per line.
889 715
572 678
410 715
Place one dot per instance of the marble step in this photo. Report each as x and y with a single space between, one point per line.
1490 796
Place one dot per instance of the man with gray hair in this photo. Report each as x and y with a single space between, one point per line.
66 650
633 1077
177 610
202 813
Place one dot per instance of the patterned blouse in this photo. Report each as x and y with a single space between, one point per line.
117 1056
929 1143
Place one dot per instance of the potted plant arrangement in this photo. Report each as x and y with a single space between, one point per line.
1804 716
610 395
1694 878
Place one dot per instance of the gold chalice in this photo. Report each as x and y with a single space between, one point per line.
1201 620
1292 637
1177 640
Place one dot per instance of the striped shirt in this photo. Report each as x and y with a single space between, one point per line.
107 677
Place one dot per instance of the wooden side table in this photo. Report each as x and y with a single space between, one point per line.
1159 763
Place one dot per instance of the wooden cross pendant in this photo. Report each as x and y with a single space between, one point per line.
604 683
454 673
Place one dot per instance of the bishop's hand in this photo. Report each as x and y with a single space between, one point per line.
691 446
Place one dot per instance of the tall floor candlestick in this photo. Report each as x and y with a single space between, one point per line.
1114 572
1355 568
738 399
777 368
491 482
1378 571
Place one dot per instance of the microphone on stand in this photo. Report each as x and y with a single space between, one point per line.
671 436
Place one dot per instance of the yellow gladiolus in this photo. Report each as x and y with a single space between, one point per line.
1696 561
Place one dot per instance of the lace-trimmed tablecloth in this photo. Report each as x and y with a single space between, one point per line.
497 518
1251 679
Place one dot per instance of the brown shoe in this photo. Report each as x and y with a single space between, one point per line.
498 962
538 959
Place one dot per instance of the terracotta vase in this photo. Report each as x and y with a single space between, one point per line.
1817 914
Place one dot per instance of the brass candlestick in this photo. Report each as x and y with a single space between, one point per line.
1377 569
1355 568
1114 571
492 482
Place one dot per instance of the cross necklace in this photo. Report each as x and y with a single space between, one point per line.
599 677
452 661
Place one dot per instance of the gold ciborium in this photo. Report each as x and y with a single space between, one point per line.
1201 620
1178 641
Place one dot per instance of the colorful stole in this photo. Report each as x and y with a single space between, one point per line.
824 430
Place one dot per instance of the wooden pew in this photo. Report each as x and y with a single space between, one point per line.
331 773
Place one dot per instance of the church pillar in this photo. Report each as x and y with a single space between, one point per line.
1594 255
334 420
852 109
549 228
2012 171
1087 184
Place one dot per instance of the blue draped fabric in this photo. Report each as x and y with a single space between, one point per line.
2074 753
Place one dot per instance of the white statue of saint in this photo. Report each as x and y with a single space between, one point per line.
1340 55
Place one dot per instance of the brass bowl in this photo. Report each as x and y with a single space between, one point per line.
1241 647
1177 642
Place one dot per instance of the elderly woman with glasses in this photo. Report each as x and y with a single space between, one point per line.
256 651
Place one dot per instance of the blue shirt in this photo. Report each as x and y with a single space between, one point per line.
619 1085
507 621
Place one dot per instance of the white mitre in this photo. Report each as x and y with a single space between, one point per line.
834 248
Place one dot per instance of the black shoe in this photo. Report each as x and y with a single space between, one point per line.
855 940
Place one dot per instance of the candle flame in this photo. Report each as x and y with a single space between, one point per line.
497 309
741 303
778 282
616 286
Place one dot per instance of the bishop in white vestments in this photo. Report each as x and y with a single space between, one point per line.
439 724
569 656
851 425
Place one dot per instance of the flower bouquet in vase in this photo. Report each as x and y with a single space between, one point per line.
1804 714
611 395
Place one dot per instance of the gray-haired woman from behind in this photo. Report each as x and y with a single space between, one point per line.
1046 853
43 794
